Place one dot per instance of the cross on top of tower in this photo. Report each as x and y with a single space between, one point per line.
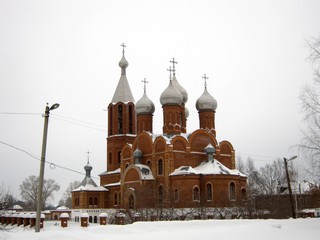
205 80
173 66
123 46
144 84
88 155
170 70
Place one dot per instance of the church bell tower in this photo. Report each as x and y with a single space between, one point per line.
121 118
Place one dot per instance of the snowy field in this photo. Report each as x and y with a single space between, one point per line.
181 230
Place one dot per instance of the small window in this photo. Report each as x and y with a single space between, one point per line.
95 201
232 191
209 192
176 195
160 167
90 201
196 194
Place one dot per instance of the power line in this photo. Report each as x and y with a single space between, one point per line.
51 164
19 113
77 120
270 158
80 123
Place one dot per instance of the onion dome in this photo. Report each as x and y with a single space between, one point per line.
88 169
123 62
144 105
183 92
171 96
206 101
137 153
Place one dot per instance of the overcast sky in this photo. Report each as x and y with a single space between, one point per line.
67 52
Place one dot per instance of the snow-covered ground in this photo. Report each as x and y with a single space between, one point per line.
197 229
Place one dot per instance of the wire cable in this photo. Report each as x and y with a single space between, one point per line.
47 162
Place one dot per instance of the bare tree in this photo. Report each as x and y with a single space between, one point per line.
6 199
310 103
67 196
29 190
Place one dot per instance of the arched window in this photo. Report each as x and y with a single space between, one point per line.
232 191
95 200
115 198
160 167
120 120
90 219
160 195
131 202
176 195
90 201
95 219
196 194
209 192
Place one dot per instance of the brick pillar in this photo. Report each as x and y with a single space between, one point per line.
84 219
103 218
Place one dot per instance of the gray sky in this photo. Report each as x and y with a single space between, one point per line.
254 53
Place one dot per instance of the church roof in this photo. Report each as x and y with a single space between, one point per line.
123 91
146 173
88 184
89 187
207 168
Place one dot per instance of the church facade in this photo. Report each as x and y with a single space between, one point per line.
173 169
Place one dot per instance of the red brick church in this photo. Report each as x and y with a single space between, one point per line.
173 169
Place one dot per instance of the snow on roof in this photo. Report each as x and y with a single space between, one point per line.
112 184
145 171
62 208
103 214
110 172
16 207
184 170
89 187
85 215
64 215
206 168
